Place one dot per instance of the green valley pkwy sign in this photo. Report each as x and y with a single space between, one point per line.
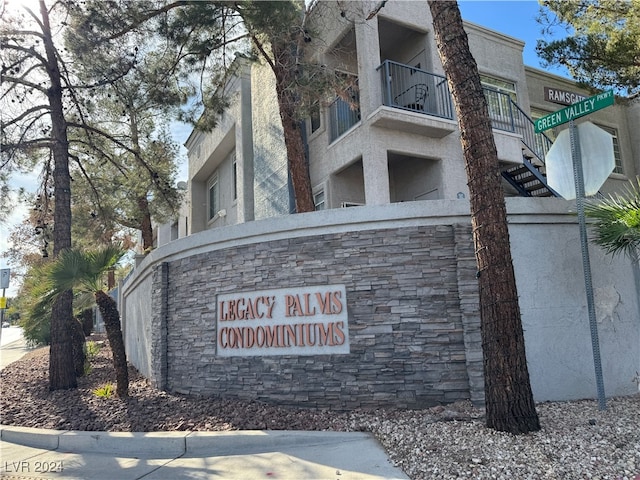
577 110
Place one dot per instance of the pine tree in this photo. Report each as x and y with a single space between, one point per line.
508 395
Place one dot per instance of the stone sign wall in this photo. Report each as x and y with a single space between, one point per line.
392 304
400 283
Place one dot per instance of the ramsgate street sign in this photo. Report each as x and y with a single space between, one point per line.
577 110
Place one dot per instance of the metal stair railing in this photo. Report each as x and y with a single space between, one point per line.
537 143
528 180
507 115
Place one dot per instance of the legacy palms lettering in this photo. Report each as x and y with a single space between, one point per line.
242 334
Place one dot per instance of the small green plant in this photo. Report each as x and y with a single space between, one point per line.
91 349
87 367
105 391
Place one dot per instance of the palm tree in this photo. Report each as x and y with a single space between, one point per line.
84 271
617 222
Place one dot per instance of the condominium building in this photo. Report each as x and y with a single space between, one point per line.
378 305
396 139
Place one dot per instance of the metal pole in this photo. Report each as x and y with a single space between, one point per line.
578 176
1 317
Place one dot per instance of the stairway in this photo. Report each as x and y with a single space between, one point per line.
528 178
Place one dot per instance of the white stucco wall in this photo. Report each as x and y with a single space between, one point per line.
547 258
136 311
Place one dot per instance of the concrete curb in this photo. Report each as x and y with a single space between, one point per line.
172 444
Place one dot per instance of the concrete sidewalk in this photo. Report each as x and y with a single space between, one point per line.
47 454
14 351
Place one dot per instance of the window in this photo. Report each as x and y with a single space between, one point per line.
318 200
213 197
234 166
315 117
616 149
503 86
498 94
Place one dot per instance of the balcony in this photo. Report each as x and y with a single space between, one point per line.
420 102
415 90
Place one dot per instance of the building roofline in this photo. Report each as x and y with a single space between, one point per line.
546 73
494 33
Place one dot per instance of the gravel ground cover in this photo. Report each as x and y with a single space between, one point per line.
577 441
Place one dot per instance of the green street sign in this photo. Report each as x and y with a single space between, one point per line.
577 110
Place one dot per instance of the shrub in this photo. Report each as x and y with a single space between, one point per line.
105 391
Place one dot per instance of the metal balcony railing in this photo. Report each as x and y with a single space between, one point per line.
416 90
538 143
343 115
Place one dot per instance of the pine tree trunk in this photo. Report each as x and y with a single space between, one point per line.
509 400
111 318
144 214
146 226
61 368
284 69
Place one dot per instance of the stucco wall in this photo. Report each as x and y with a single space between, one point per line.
271 190
550 277
137 328
409 275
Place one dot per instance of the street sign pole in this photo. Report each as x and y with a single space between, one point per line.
4 283
578 174
1 316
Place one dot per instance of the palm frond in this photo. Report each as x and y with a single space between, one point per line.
81 271
616 226
83 301
105 258
69 270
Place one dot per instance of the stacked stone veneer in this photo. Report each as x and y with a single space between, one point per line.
412 307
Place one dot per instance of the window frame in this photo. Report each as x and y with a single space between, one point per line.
513 93
617 155
213 183
499 108
320 205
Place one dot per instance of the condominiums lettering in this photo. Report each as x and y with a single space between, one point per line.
296 321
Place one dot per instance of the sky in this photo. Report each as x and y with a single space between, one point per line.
516 18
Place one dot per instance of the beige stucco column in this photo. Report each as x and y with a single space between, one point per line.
374 155
375 169
197 206
368 48
244 152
